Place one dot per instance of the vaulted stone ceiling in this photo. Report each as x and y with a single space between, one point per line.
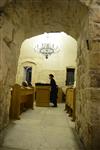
38 16
4 2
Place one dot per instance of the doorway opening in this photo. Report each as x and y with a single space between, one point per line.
37 66
55 64
33 51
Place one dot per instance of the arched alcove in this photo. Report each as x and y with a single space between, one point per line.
21 73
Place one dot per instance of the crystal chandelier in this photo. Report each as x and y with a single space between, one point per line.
46 47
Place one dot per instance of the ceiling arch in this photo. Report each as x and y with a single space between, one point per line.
36 17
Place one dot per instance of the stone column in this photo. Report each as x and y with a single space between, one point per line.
88 81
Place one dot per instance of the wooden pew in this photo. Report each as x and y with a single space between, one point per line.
70 101
21 96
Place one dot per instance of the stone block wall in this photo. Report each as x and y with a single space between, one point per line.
88 81
10 41
94 73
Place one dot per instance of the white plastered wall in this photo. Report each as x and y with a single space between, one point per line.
55 64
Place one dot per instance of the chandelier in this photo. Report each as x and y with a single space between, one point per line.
46 47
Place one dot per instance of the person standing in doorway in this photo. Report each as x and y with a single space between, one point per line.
54 90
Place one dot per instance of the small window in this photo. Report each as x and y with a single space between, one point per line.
70 72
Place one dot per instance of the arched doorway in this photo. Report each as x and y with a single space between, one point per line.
73 23
65 52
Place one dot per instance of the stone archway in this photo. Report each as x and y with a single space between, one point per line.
22 19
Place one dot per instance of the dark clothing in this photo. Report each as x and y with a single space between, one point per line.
53 93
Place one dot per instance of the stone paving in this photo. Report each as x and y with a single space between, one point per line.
42 129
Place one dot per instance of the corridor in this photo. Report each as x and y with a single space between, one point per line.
42 129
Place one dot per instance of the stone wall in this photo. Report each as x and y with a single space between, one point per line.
10 40
88 81
94 72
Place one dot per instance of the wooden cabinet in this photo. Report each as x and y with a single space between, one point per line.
42 96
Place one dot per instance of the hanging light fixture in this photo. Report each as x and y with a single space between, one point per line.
46 47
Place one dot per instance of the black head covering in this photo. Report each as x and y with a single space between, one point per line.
51 75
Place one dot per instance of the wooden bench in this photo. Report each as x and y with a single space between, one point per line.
70 102
21 97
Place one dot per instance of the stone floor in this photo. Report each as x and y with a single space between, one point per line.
42 129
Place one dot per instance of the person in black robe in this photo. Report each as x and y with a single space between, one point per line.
54 90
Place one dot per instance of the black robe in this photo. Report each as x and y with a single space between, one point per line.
54 91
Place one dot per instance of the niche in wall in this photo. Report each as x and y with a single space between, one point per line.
28 74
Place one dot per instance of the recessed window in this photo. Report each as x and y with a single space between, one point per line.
70 75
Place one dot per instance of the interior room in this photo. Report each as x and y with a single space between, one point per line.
63 57
42 55
49 75
61 62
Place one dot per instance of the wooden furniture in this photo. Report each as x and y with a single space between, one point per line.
21 97
60 95
42 96
70 101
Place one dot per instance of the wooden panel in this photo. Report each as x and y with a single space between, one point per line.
70 97
60 94
21 96
42 96
71 100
